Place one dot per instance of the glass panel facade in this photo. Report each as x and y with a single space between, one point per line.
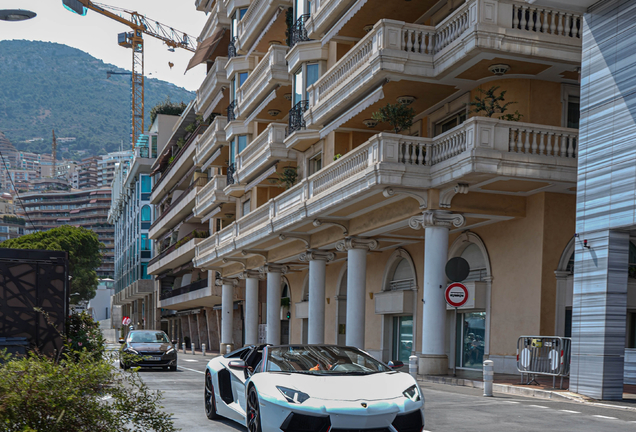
242 143
402 338
145 213
312 74
146 184
298 86
471 331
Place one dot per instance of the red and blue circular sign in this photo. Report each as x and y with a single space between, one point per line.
456 294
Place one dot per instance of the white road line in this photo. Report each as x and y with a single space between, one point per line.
191 370
512 402
538 406
189 360
570 411
604 417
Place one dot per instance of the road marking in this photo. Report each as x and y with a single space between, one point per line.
189 360
192 370
570 412
513 402
604 417
538 406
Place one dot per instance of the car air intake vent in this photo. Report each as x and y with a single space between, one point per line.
152 353
411 422
304 423
362 430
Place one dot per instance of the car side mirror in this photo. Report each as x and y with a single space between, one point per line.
395 364
121 341
174 341
237 364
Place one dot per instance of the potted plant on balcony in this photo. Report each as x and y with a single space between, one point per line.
180 143
287 178
399 116
487 104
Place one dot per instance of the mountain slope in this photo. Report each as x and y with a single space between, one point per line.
47 86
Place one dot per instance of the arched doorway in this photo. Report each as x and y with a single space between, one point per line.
399 331
470 330
341 308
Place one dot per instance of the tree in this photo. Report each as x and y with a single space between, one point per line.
166 107
399 116
84 254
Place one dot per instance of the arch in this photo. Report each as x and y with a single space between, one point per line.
146 214
394 260
305 293
466 239
285 327
564 261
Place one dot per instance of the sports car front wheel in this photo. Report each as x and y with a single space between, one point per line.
253 411
210 409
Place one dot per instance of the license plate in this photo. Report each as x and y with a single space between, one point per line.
155 358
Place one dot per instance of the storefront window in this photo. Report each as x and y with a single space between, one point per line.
402 338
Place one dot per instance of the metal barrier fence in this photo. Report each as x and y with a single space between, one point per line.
543 355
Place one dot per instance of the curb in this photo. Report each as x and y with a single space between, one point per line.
520 391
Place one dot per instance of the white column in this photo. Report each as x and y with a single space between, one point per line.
437 224
274 282
357 249
317 260
227 311
251 305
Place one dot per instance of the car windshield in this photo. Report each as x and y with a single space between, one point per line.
322 360
148 337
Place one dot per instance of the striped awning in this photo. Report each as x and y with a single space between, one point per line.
366 102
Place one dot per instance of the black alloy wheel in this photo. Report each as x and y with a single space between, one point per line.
210 409
253 411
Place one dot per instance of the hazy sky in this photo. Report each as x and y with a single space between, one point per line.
97 34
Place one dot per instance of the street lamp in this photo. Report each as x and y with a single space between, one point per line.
16 14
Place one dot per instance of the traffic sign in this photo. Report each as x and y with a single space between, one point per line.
456 294
125 321
457 269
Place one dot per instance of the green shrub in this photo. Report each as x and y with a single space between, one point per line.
167 107
83 334
399 116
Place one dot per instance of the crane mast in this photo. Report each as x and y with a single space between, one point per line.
134 40
54 154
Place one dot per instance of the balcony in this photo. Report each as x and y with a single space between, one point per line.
256 19
218 18
179 209
211 196
174 258
197 294
270 73
136 290
298 32
480 152
260 155
395 50
209 148
210 94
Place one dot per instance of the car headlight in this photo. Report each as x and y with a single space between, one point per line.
170 351
412 393
131 351
293 396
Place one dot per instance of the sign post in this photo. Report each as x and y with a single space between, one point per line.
456 296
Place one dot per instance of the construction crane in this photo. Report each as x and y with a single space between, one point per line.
134 40
54 154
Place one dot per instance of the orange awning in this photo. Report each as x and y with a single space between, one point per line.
205 49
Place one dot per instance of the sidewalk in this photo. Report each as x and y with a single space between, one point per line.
512 385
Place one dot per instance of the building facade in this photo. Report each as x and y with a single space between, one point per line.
107 164
85 208
131 214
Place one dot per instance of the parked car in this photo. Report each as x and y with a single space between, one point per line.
152 348
312 388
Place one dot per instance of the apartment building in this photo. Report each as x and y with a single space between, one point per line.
85 208
107 164
131 215
86 176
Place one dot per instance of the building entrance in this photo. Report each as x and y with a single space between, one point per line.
471 332
402 338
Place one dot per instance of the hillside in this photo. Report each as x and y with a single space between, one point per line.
49 86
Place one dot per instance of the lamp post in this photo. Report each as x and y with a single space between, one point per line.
16 14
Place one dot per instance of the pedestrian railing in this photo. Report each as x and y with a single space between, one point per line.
543 355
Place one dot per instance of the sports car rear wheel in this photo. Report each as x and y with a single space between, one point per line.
210 409
253 411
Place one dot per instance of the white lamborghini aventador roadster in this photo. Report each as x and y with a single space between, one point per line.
311 388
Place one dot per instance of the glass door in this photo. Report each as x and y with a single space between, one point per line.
402 338
469 341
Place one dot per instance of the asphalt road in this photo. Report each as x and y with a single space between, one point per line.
447 408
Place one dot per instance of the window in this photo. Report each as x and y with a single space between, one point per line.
237 146
145 213
302 7
144 271
402 276
304 77
237 82
145 242
315 163
145 184
238 15
154 147
450 122
246 207
574 112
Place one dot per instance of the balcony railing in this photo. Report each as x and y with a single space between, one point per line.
198 182
548 21
298 32
178 244
231 169
231 116
296 119
203 283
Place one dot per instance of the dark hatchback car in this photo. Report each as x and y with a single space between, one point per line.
152 347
